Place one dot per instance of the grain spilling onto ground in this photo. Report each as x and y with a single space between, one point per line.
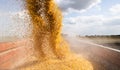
52 52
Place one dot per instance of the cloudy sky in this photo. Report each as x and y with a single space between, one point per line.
81 17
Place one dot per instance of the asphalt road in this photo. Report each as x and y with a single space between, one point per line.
101 57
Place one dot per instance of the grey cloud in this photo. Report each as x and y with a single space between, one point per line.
76 4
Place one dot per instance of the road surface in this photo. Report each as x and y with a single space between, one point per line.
102 58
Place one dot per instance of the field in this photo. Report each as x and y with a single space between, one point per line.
112 41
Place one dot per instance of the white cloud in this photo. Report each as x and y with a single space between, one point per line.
115 9
90 25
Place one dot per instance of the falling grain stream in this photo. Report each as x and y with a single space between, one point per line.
51 51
